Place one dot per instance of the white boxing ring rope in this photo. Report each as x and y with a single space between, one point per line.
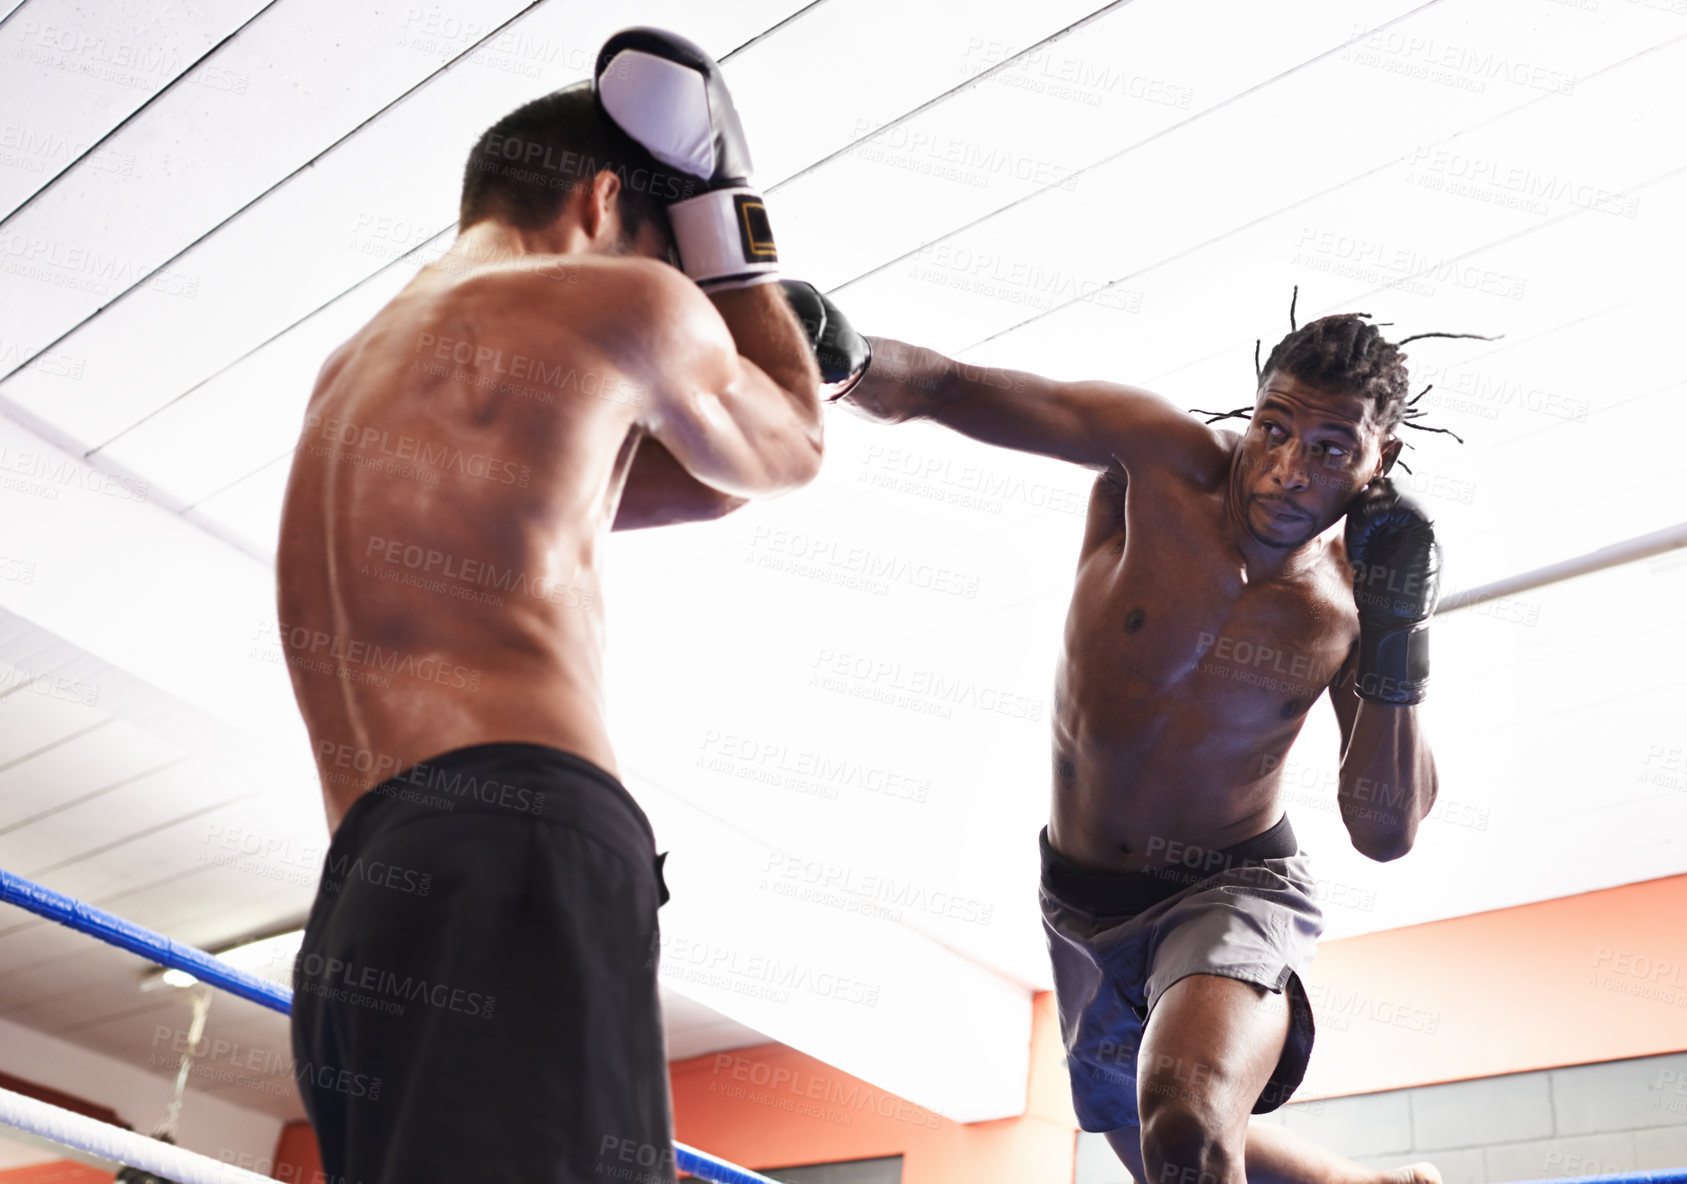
116 1145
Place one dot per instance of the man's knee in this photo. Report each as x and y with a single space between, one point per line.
1184 1142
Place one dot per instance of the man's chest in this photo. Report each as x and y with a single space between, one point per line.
1169 603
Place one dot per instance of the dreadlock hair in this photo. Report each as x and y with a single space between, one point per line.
1348 352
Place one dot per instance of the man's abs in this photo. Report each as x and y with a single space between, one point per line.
1169 728
438 566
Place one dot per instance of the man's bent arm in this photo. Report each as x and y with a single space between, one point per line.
659 492
1095 424
1388 782
737 389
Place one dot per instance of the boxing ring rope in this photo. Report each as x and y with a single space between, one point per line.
106 1141
108 927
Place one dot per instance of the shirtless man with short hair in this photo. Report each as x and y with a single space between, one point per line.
1178 907
483 941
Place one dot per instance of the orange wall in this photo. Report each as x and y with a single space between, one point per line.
59 1171
771 1106
296 1156
1594 977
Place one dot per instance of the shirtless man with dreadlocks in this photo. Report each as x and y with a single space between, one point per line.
1209 615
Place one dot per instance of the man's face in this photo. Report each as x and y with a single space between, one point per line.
1307 451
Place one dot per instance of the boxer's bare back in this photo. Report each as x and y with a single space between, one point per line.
463 459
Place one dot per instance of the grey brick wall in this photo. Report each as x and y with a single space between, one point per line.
887 1170
1617 1116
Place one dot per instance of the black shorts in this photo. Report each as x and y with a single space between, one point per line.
475 998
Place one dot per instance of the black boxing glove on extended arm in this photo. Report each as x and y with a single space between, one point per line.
1396 582
670 96
842 354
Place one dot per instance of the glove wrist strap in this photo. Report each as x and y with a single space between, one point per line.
724 239
1393 664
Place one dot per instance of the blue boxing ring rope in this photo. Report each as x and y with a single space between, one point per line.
175 955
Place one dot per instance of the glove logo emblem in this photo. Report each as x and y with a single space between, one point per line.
755 230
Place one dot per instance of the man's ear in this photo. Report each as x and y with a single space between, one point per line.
601 215
1390 454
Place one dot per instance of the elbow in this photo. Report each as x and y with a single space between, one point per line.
1382 848
802 457
805 465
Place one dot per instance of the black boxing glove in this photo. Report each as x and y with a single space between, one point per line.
842 353
670 97
1396 582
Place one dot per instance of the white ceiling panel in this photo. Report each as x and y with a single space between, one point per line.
1030 123
930 54
76 69
253 409
305 242
65 838
250 509
269 100
39 710
1217 175
51 781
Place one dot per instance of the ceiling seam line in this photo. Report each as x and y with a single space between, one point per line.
308 164
89 796
776 185
770 30
1614 66
135 835
329 302
983 218
124 122
1509 343
1553 221
62 740
969 84
270 340
11 14
1125 151
190 507
805 10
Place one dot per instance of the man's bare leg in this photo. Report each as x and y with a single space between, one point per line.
1208 1051
1277 1156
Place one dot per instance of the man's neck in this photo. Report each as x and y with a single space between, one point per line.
498 242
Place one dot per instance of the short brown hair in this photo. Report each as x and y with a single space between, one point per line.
523 167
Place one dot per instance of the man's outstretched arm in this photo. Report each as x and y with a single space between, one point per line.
1096 424
1388 782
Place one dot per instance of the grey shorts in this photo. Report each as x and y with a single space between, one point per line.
1119 941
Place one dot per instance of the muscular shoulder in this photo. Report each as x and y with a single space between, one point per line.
638 315
611 297
1157 437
